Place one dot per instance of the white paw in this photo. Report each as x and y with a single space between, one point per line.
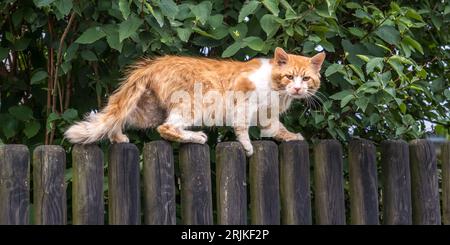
300 136
248 147
119 138
197 137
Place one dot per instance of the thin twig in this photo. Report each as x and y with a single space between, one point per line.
55 73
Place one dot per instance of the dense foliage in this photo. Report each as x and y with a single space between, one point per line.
386 74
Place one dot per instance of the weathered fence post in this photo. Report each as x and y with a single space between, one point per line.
328 181
396 182
294 183
446 183
49 165
264 184
363 182
424 179
159 183
123 179
14 184
87 185
196 193
231 184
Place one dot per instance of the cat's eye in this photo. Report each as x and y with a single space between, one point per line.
290 77
306 78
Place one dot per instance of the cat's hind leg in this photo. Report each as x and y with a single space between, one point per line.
173 129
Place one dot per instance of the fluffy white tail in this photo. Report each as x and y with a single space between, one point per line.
92 129
111 120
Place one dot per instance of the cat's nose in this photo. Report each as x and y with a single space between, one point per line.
297 89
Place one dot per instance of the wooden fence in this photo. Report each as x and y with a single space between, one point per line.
278 184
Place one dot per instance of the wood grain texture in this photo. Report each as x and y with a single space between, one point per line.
328 182
445 156
14 185
159 184
49 165
87 185
196 194
124 194
424 180
231 186
264 184
396 182
295 183
363 183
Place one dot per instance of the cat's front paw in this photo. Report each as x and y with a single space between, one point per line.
248 147
196 137
299 136
289 137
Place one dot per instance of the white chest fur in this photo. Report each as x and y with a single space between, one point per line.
262 77
264 97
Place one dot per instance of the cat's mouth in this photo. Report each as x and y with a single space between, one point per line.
299 94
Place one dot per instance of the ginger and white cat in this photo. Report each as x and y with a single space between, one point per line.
145 98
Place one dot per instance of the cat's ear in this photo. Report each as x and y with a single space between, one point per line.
280 56
317 61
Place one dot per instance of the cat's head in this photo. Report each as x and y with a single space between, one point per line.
298 76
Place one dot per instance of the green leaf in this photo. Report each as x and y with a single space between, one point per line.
272 6
239 31
411 13
215 21
353 5
71 52
363 57
42 3
447 93
21 44
70 114
9 125
91 35
328 46
168 8
269 24
402 107
248 9
3 53
362 103
358 71
21 112
318 118
112 37
413 43
88 55
184 33
346 100
31 129
64 6
373 63
290 12
129 27
398 66
254 43
389 34
124 7
341 95
38 77
202 11
333 69
357 31
156 14
331 5
232 49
